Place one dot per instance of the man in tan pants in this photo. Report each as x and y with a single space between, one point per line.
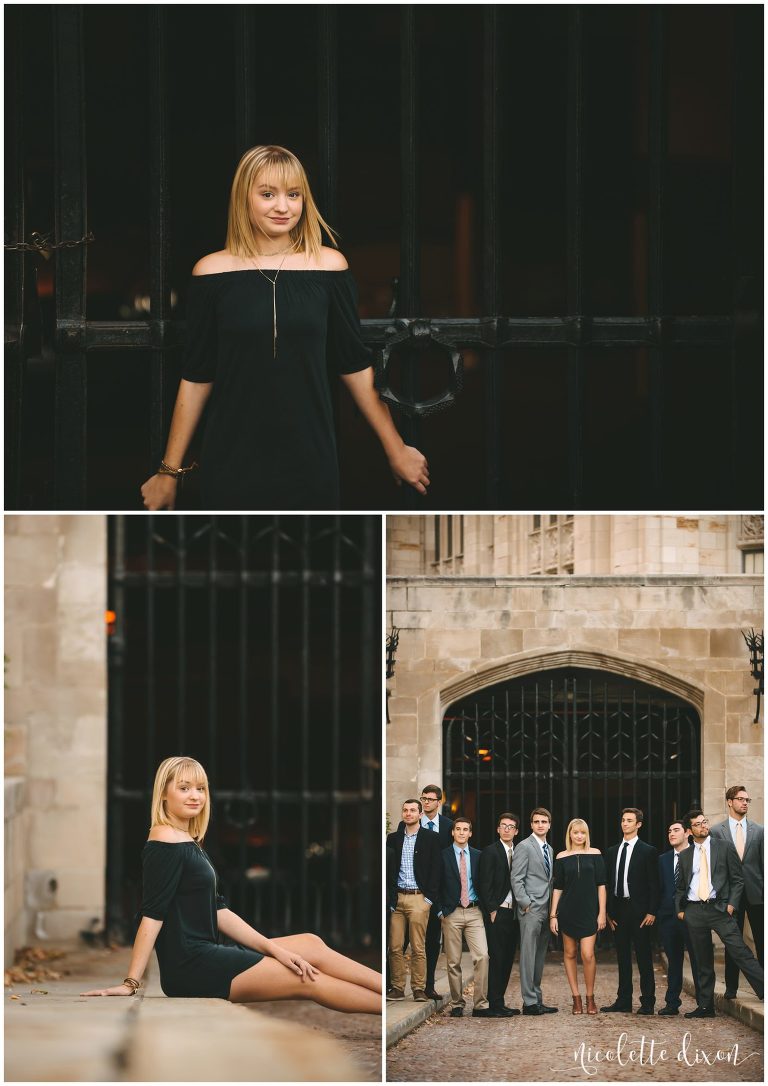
462 915
417 862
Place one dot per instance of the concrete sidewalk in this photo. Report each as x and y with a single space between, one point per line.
53 1034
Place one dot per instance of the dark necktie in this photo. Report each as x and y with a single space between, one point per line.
431 825
546 861
510 861
622 865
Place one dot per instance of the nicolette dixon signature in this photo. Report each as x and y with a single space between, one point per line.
647 1052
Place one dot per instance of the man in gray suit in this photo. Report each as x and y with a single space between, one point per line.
532 863
708 889
747 838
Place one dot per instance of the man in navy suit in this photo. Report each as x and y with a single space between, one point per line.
672 932
461 914
431 797
502 929
633 900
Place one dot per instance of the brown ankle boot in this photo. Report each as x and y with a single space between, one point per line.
577 1007
591 1005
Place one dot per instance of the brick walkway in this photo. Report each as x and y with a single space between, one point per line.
549 1048
358 1034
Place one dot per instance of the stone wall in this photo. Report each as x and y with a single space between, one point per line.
55 726
681 633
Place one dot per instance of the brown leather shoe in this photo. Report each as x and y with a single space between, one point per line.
591 1005
577 1007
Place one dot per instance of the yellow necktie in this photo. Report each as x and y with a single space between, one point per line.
703 875
739 841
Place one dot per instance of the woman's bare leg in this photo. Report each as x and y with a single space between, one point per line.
569 961
270 980
329 961
589 962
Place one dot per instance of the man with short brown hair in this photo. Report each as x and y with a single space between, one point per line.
532 866
462 917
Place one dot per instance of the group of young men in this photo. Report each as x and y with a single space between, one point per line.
439 886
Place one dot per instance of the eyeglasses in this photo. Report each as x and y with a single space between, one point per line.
429 799
700 822
743 799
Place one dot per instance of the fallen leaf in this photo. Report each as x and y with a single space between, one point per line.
14 997
37 991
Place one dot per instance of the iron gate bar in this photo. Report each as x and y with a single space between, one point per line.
246 78
328 109
575 250
657 152
230 578
274 715
159 293
151 763
491 249
115 730
335 702
15 266
213 651
409 288
181 637
70 222
305 625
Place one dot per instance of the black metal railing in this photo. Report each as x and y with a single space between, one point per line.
252 644
495 337
580 743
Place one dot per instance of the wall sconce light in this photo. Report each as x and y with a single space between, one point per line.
754 643
392 641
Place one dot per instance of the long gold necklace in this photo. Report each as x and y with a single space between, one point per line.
274 295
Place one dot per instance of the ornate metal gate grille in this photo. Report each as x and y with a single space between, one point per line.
252 644
698 367
580 743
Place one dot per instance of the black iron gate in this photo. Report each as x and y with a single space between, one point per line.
252 644
655 391
580 743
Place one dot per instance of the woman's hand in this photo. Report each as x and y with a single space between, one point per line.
601 921
296 964
553 926
410 466
159 492
120 990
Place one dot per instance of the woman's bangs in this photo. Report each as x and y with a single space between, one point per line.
280 173
192 772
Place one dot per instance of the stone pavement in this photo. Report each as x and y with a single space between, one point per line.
52 1034
570 1048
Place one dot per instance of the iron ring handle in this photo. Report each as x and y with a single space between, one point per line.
421 333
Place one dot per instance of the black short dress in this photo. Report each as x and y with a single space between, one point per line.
180 890
269 434
578 877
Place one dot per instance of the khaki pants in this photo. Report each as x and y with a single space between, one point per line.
411 913
469 923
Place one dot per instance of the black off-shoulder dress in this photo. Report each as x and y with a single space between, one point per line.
269 437
180 890
578 877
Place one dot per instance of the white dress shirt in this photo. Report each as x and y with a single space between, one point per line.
631 844
425 822
733 823
509 849
693 885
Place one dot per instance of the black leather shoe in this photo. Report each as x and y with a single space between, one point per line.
502 1012
645 1010
457 1012
532 1008
702 1012
543 1009
669 1010
618 1007
729 994
482 1012
431 993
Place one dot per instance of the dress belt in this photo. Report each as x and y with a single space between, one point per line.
400 890
507 905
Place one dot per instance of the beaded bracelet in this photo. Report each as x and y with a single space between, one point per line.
132 983
177 473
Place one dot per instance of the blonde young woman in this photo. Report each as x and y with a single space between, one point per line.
578 909
267 316
182 917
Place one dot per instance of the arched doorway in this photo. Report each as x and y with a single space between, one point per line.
579 742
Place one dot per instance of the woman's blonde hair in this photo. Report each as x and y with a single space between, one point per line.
180 768
571 824
275 165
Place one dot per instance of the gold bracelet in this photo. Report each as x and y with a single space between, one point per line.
177 473
133 983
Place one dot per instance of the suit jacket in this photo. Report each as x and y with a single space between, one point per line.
426 860
495 879
450 881
667 884
752 861
530 884
642 878
444 828
725 876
